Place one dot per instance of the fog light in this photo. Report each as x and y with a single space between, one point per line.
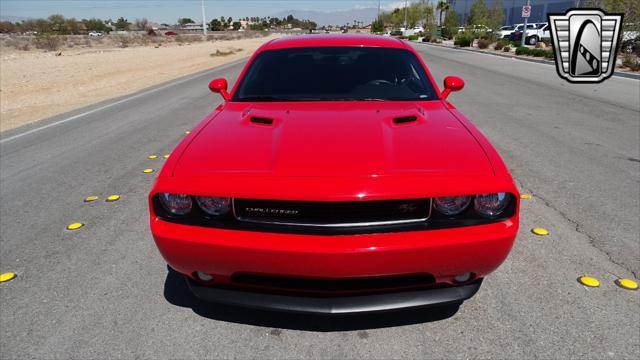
464 277
203 276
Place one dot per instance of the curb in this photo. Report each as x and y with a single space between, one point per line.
539 61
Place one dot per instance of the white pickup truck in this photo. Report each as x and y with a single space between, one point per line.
535 32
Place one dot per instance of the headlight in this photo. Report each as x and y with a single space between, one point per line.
490 205
214 205
176 204
451 205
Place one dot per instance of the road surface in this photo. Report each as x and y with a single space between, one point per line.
104 291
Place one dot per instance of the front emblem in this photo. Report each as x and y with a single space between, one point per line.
407 208
585 43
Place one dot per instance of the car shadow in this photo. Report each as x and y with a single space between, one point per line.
177 293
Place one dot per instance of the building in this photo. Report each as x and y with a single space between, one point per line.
513 9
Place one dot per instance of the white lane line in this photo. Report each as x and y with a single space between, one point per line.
222 67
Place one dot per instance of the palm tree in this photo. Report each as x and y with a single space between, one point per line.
442 7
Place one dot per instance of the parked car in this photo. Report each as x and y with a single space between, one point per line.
505 31
170 33
95 34
630 42
334 178
535 32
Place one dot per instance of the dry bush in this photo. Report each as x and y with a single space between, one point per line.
631 61
225 53
49 42
123 41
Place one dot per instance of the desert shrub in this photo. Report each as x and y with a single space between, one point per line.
49 42
546 41
515 44
522 50
123 41
506 49
225 53
464 40
427 38
631 61
412 37
498 46
483 43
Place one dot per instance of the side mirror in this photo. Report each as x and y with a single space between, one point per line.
452 83
219 86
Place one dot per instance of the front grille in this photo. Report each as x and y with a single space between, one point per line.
334 285
332 214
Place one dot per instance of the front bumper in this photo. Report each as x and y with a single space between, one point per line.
343 305
443 253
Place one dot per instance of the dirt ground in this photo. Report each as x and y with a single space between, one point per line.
35 85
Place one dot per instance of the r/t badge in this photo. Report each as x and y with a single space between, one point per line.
585 43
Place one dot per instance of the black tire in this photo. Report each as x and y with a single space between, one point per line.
532 40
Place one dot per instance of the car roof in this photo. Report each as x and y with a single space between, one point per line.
320 40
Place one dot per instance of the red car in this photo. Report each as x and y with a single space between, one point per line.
335 178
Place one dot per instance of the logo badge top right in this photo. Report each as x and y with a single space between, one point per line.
585 43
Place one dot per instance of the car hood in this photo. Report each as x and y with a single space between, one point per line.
329 139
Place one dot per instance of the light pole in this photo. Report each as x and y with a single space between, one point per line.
524 28
204 21
405 16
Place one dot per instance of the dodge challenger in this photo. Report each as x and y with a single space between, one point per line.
334 178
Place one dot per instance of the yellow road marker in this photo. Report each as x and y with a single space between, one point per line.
90 198
147 171
75 226
589 281
540 231
112 198
627 284
525 196
7 276
152 156
166 156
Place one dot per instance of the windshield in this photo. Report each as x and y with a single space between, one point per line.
335 73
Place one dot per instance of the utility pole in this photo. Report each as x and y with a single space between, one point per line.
524 29
378 9
405 15
204 21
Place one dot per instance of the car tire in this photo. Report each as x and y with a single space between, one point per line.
532 40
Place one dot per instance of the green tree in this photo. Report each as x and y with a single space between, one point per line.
236 25
451 23
442 8
56 23
495 16
122 24
216 25
377 26
479 13
94 24
185 21
72 26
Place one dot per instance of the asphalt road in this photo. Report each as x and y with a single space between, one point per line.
104 291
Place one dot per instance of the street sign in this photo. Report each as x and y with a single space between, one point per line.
526 11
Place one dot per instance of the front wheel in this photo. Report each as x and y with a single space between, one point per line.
532 40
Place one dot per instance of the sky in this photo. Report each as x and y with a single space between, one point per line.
170 10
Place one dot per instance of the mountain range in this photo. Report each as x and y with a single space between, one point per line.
342 17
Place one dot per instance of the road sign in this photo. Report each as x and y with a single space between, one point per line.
526 11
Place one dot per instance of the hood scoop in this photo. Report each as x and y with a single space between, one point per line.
404 120
261 120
